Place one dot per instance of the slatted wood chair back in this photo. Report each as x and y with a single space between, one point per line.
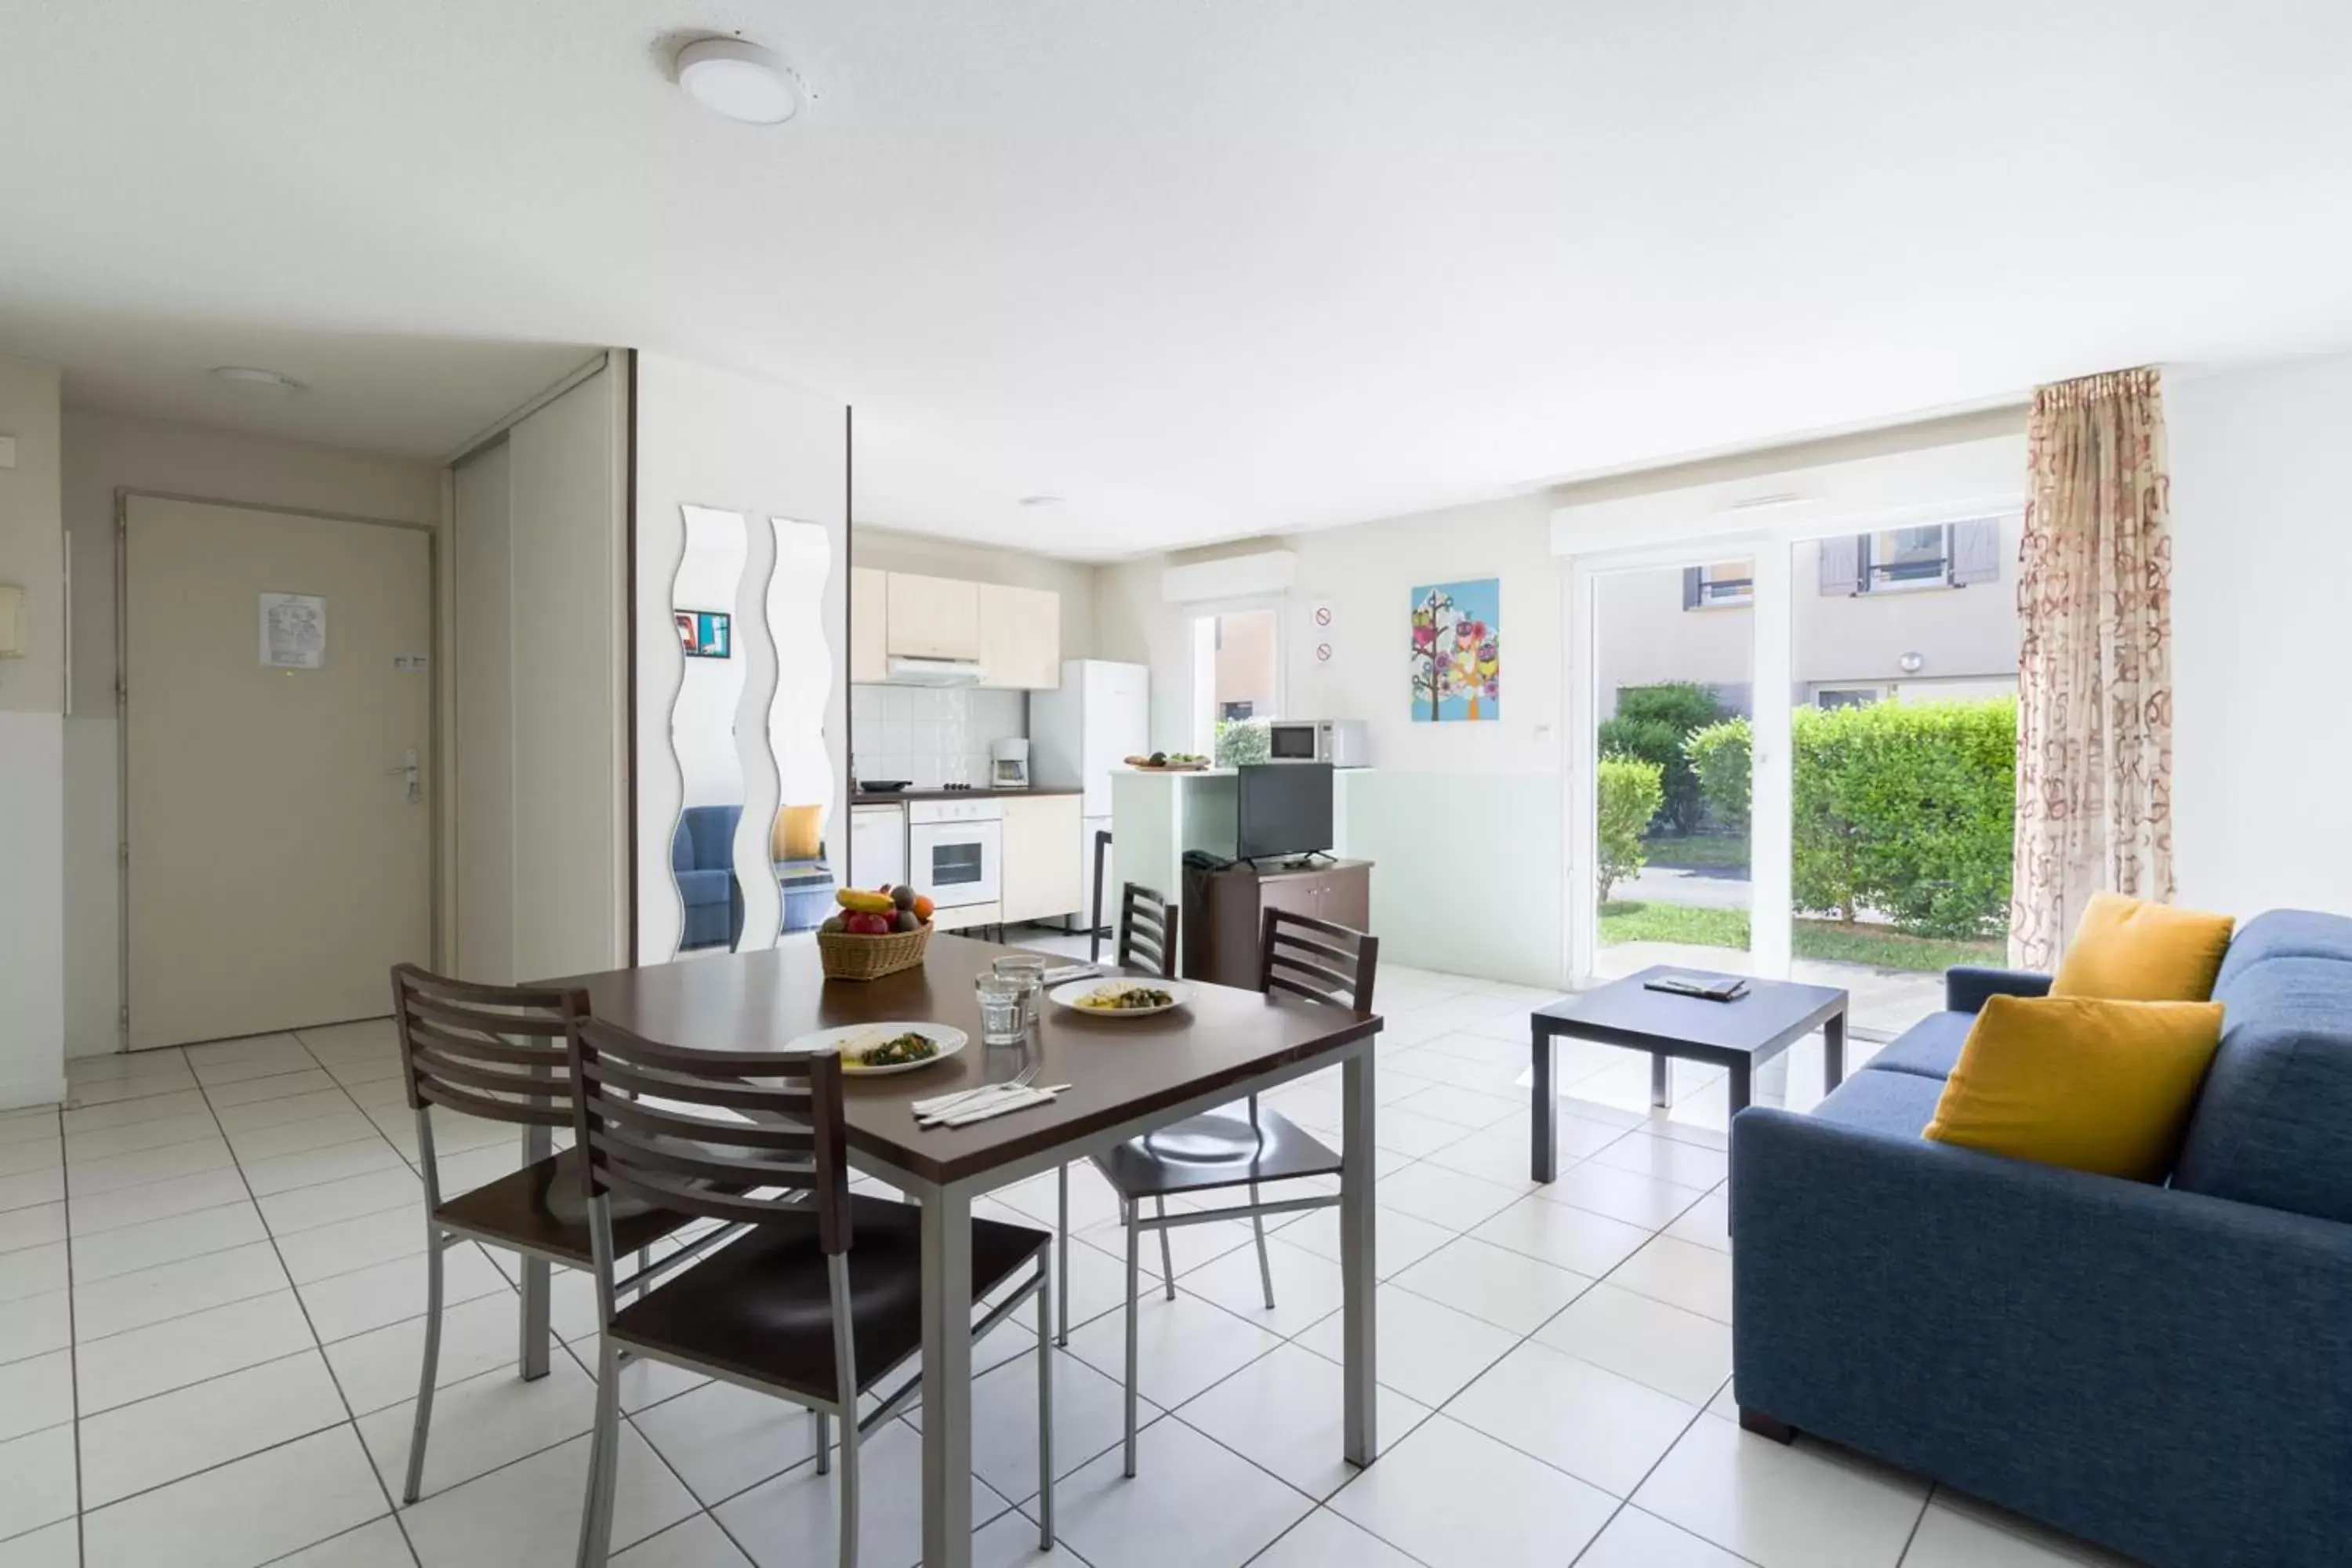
492 1051
740 1136
1146 931
1319 959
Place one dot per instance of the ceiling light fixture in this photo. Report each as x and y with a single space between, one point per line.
739 79
274 382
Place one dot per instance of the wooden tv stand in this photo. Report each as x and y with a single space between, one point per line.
1223 912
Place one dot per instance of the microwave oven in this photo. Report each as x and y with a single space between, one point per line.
1338 742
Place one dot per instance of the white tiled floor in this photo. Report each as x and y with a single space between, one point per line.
211 1272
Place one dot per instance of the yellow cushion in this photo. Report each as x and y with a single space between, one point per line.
2081 1083
2129 951
798 830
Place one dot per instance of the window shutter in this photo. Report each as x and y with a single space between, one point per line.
1976 553
1693 586
1841 564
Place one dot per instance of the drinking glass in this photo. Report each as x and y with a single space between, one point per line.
1030 970
1003 1010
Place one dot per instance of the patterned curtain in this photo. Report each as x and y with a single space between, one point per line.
2095 663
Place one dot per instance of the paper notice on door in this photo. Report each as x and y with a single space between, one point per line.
293 631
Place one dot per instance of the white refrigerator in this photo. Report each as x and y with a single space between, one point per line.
1078 732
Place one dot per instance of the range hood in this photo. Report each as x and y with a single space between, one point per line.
905 671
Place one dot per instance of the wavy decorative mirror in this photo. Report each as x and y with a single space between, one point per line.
702 730
807 855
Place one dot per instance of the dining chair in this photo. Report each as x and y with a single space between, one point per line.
817 1301
1102 858
1300 956
1146 945
497 1052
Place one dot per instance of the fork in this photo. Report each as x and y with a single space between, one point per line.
964 1102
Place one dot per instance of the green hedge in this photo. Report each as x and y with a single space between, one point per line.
1905 808
1241 742
1652 722
1629 796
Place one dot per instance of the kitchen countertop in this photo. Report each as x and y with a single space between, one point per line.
977 792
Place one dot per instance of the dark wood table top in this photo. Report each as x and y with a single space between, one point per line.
1117 1070
1772 1014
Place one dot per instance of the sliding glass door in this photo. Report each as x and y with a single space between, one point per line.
1673 675
1903 759
1793 756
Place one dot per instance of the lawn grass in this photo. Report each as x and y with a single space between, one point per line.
1700 851
1832 941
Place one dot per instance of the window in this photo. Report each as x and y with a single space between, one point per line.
1847 696
1898 559
1722 583
1906 556
1236 670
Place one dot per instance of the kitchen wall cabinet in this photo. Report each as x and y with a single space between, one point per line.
1020 638
1043 862
869 638
931 617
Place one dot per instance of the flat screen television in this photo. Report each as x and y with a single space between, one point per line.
1284 808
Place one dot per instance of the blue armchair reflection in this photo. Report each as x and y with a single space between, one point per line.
702 857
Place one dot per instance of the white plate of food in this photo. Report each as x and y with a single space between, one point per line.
875 1051
1120 997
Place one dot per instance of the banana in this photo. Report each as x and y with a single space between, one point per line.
859 901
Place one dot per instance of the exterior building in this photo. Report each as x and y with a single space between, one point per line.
1903 613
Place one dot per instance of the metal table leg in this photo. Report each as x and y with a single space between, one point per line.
1833 1052
1360 1442
1543 1110
947 1375
1659 1070
537 1143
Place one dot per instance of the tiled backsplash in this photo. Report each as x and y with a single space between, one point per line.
927 736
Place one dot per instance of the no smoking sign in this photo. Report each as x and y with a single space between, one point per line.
1322 634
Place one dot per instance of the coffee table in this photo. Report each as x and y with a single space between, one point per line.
1742 1035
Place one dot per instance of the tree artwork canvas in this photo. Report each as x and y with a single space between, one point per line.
1457 664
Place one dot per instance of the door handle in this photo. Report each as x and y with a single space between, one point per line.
411 773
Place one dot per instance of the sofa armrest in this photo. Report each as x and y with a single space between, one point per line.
1967 985
2082 1349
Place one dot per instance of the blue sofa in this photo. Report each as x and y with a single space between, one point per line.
702 859
2165 1371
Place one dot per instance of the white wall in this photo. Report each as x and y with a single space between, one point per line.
709 437
1454 811
885 549
103 454
1368 572
2262 549
32 746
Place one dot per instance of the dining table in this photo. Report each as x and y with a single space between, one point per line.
1125 1076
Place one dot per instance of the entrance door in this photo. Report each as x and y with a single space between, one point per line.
277 720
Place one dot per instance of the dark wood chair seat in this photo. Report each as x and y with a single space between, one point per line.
818 1301
1215 1150
759 1308
543 1208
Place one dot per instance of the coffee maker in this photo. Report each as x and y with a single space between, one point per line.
1008 764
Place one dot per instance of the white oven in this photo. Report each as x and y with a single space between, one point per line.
953 848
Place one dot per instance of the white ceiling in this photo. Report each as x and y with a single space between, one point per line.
1204 268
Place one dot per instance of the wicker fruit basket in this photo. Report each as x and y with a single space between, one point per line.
848 957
